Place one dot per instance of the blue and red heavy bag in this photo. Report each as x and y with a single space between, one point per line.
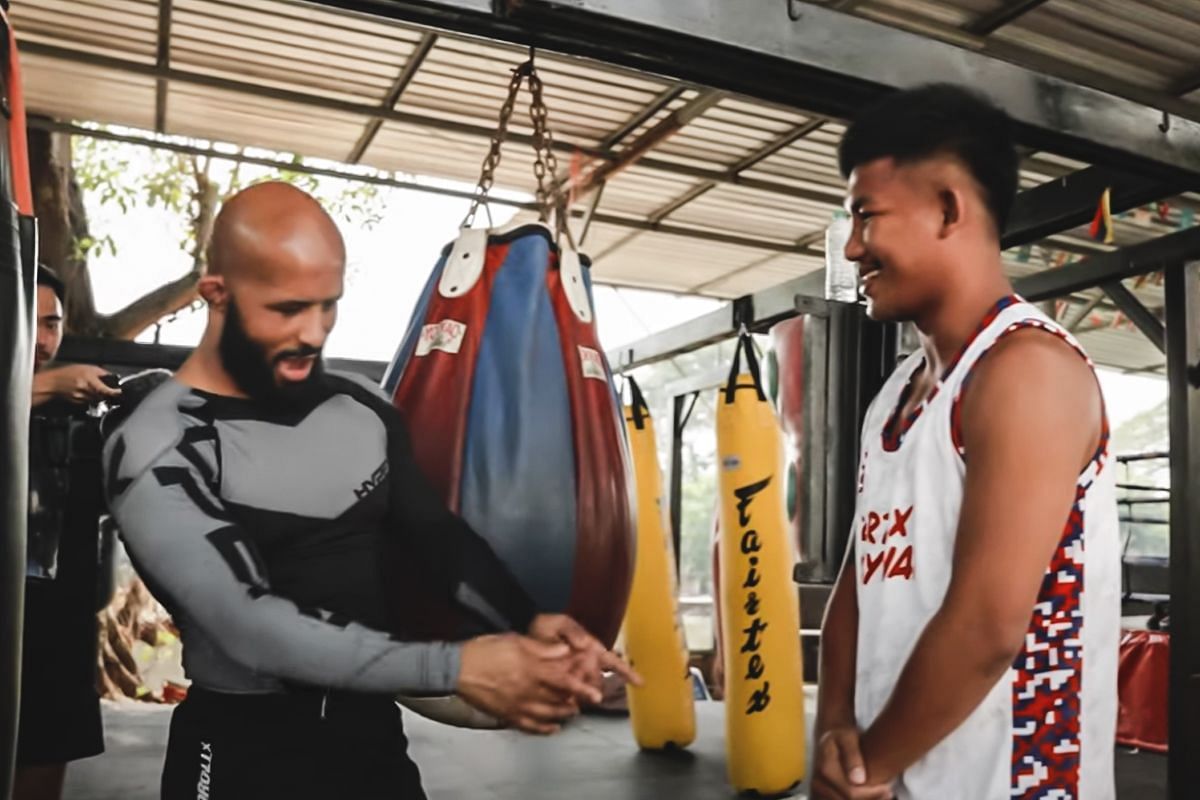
516 422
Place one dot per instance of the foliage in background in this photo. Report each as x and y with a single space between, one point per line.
134 178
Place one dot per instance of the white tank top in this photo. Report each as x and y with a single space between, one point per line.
1047 728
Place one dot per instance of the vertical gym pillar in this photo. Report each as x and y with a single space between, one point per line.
1182 294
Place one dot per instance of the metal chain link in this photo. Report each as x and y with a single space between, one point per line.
545 161
545 164
487 174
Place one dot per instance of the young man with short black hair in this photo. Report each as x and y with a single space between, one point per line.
969 649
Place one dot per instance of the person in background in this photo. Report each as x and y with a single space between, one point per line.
60 710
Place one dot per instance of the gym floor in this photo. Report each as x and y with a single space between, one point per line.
594 759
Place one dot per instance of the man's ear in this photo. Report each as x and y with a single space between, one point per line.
953 207
213 290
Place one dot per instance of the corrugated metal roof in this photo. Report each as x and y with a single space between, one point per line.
325 53
67 90
1145 50
125 28
279 125
708 209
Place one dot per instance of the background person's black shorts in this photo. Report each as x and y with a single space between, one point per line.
60 710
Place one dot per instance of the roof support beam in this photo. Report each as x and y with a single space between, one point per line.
670 125
1084 312
1187 85
285 95
1164 253
409 71
771 148
758 156
704 234
664 99
1138 314
162 61
764 308
589 213
634 225
1009 12
484 132
1156 255
827 61
1070 201
666 210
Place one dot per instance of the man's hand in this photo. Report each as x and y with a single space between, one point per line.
79 383
528 684
840 772
590 656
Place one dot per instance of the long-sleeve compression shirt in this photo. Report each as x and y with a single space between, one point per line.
263 532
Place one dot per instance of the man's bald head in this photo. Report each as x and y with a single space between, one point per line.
269 230
276 267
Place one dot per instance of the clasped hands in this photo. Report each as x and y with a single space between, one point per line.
538 681
840 771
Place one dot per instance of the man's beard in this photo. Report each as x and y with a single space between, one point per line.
254 372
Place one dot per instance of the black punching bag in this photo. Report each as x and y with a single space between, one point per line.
18 263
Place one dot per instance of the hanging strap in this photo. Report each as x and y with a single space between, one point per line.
637 403
746 343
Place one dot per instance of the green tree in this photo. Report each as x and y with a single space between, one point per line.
135 177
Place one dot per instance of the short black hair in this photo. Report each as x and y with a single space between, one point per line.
940 119
48 277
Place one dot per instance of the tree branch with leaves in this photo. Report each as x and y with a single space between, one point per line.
132 178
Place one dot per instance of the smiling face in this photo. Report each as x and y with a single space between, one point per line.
898 238
932 174
276 269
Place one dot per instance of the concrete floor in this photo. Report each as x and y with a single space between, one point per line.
595 758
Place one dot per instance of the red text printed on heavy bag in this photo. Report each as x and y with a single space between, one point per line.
446 336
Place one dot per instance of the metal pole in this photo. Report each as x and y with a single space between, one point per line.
678 422
1182 293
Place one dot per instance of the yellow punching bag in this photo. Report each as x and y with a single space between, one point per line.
661 710
760 610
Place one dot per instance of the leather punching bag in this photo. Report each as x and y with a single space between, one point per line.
516 421
760 610
18 266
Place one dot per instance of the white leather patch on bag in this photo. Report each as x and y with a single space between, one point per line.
446 336
592 364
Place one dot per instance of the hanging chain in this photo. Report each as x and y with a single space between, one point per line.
487 175
545 164
545 161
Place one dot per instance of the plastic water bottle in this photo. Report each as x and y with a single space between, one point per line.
841 274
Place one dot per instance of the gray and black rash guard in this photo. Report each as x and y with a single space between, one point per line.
264 534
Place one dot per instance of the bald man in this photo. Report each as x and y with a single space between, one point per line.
258 496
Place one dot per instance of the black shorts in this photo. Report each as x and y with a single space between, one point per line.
307 744
60 711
